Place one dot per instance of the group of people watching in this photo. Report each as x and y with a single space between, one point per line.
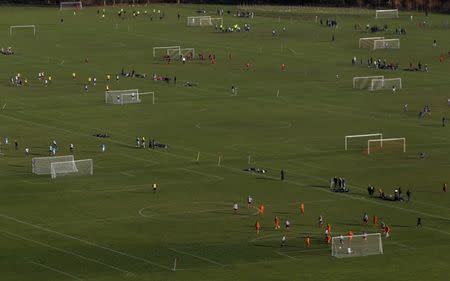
382 64
338 184
256 170
329 22
419 67
425 112
7 51
397 196
132 74
152 144
400 31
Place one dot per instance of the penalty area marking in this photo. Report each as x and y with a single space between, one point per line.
56 270
87 242
65 251
198 257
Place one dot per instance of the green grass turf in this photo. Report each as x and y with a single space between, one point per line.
112 227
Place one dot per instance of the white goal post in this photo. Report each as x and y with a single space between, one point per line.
149 93
12 27
197 21
381 141
368 42
386 44
380 135
188 52
122 96
364 82
42 165
386 84
169 50
70 5
386 14
82 167
356 245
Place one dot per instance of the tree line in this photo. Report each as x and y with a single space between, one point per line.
419 5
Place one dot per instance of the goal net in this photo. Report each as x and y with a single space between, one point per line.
364 82
26 27
188 53
385 84
160 52
76 5
348 138
386 44
82 167
122 96
217 21
368 42
386 14
199 21
356 245
41 165
378 144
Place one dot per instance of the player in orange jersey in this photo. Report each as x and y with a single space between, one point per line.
308 241
387 230
261 210
375 220
257 227
328 239
350 235
276 221
302 208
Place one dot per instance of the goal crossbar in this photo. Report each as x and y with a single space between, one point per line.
355 79
370 39
383 140
362 136
22 26
149 93
356 245
77 4
166 48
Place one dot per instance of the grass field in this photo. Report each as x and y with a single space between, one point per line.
111 226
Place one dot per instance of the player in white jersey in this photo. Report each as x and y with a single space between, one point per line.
287 224
235 207
249 201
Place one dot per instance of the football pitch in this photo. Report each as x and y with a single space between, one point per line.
112 226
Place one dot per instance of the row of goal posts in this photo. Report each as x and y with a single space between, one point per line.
70 5
375 138
386 14
121 97
58 166
356 245
204 21
376 43
173 51
377 82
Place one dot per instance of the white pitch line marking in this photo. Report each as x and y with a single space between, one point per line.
65 251
86 242
293 51
202 174
56 270
127 174
286 255
198 257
